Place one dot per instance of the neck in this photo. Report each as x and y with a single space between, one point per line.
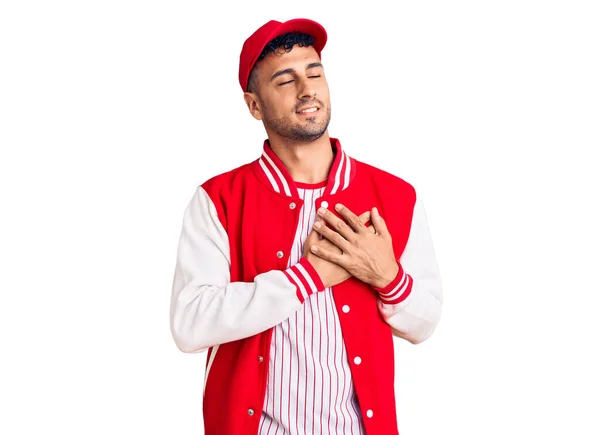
307 162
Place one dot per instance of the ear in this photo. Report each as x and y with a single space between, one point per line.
253 104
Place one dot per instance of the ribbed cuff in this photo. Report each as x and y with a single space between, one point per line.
398 290
306 279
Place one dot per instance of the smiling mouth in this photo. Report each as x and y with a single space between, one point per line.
308 111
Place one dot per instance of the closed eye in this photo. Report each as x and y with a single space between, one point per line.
285 83
314 77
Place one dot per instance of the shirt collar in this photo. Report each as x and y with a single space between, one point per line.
275 175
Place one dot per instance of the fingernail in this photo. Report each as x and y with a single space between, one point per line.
317 225
338 207
321 211
314 248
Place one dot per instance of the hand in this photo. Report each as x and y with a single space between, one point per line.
367 255
330 273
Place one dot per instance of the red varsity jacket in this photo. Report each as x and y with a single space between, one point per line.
232 285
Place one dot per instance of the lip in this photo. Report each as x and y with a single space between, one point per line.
299 111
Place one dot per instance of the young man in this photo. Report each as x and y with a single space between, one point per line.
287 271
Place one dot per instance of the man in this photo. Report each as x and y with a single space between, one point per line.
287 271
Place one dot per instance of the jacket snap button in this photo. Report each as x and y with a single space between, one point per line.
357 360
279 254
346 309
324 204
260 359
369 413
293 205
251 412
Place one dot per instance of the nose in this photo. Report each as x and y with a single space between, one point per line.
307 90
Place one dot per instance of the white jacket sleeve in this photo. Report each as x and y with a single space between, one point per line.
206 308
418 313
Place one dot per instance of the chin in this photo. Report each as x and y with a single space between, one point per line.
309 135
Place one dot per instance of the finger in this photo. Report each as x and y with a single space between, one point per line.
320 220
379 223
350 218
328 255
313 237
336 224
324 243
331 235
365 217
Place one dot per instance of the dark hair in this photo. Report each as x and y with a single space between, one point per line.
282 43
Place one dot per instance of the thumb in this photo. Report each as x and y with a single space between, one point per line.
379 223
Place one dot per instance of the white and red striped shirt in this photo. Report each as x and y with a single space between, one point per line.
309 385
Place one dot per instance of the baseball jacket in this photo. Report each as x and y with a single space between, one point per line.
232 285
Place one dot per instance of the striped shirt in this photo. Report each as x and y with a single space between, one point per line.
309 386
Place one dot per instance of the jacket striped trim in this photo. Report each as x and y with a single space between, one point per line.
275 175
398 290
306 279
341 174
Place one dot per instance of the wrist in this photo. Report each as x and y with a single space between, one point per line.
387 278
397 290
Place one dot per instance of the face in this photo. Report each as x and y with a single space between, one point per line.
291 96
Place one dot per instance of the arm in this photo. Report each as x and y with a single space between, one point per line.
206 308
411 304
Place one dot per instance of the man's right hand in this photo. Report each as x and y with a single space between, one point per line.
330 273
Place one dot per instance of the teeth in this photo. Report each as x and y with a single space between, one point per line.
312 109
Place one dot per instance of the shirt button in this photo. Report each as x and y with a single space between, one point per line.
260 359
251 412
293 205
324 204
279 254
346 309
357 360
369 413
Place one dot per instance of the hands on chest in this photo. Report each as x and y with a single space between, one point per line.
349 248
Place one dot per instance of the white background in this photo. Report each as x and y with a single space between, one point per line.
112 112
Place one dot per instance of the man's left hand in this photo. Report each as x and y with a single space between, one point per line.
367 255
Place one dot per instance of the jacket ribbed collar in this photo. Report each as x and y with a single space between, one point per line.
272 172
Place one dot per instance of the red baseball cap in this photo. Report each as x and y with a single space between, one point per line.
255 44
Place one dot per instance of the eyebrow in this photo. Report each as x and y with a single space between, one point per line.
290 70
